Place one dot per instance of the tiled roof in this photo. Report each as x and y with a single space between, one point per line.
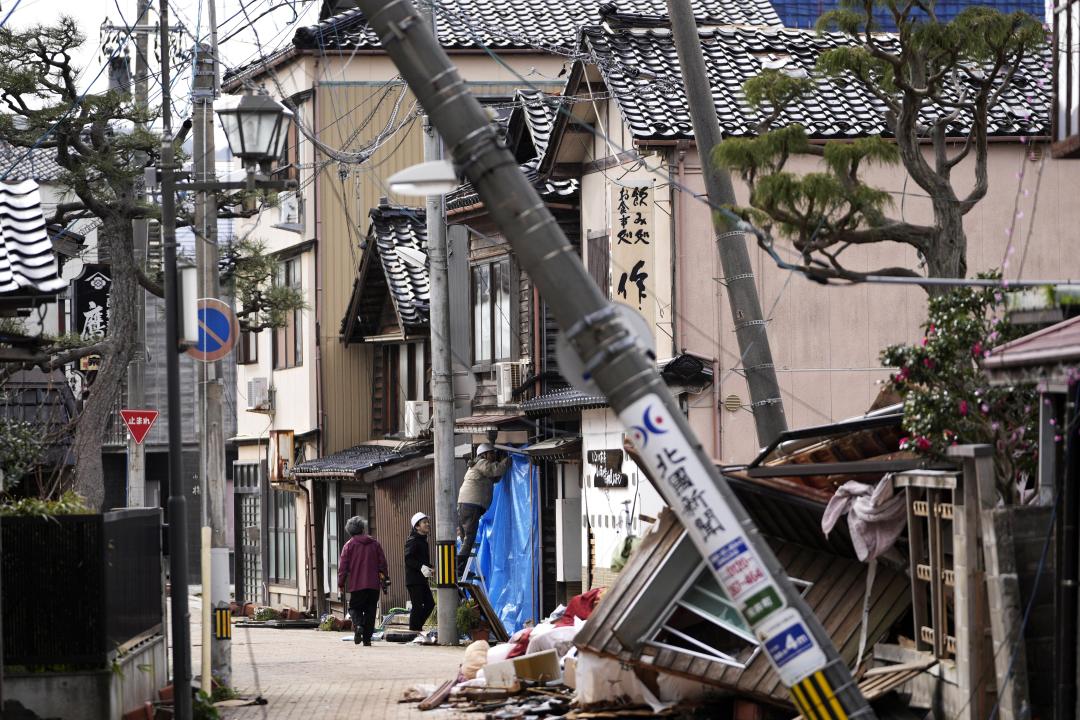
410 286
27 260
359 458
535 112
39 164
1058 343
565 400
641 67
542 24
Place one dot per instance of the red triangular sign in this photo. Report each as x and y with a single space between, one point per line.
139 423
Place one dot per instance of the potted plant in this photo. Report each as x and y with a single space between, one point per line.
469 621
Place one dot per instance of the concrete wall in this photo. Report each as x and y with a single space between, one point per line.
93 695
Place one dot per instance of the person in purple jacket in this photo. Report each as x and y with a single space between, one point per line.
362 570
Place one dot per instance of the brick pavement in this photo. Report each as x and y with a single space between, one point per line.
307 674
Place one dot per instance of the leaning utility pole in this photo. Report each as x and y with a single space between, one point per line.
211 426
177 508
442 390
751 330
793 639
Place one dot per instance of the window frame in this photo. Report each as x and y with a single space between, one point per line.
247 348
281 527
481 364
290 274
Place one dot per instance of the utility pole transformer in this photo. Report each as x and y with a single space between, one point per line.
442 379
793 639
751 330
211 426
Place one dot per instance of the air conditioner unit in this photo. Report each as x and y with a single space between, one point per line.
508 376
417 418
260 395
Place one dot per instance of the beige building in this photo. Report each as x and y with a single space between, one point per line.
825 341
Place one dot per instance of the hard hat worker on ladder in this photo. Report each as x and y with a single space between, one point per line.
474 496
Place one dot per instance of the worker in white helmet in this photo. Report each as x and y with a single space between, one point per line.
418 569
474 497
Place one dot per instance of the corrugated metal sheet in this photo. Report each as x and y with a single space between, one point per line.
836 596
396 499
342 110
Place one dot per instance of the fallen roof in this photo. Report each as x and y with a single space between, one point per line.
641 68
541 25
652 616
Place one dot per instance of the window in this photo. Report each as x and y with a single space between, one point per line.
247 351
288 340
492 316
282 531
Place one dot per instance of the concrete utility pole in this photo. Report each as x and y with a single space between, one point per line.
136 452
211 428
442 379
178 559
793 639
751 330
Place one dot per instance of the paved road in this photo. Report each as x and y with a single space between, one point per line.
307 674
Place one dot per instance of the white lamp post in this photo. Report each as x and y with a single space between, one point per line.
437 177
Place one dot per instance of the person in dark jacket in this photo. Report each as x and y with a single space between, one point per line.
474 496
362 570
418 569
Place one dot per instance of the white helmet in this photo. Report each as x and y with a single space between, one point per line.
484 448
417 518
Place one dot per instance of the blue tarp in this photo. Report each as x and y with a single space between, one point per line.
509 545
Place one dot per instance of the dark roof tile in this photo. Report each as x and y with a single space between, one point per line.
654 104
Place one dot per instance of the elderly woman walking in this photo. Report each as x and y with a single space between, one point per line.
362 570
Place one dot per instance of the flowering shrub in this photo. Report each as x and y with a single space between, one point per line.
947 397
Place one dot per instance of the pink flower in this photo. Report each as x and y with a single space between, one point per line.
977 349
924 342
928 363
922 443
963 408
985 408
904 442
902 375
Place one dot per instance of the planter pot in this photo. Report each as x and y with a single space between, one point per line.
481 633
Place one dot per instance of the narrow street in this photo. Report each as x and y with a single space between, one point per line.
307 674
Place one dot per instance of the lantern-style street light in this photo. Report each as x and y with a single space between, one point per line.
256 128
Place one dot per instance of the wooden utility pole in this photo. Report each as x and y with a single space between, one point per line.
751 330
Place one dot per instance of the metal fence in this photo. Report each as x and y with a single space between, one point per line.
74 587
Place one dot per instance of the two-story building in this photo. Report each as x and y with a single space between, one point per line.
628 131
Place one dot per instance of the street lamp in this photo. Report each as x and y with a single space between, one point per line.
256 128
436 177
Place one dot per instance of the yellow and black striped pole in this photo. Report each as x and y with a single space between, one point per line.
223 624
446 572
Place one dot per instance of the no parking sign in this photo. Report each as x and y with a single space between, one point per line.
218 330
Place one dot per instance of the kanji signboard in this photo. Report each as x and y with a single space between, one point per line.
139 423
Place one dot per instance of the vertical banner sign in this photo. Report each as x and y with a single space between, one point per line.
686 485
633 271
91 308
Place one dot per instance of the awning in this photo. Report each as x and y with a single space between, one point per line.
560 448
566 400
364 462
491 423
